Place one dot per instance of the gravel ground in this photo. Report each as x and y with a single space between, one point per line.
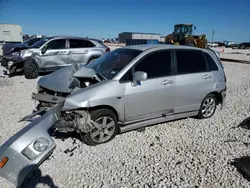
183 153
234 53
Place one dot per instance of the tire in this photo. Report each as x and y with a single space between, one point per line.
96 137
30 70
208 107
12 71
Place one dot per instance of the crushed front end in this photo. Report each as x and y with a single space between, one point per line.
55 87
21 154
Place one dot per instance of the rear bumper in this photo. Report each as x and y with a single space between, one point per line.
20 163
223 95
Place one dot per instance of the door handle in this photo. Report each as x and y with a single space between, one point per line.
206 77
166 82
64 52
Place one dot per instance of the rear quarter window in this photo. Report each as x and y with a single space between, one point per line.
211 63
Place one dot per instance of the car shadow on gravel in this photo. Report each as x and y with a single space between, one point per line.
6 74
245 124
242 164
65 135
35 178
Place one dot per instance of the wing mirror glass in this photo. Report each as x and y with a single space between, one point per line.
139 76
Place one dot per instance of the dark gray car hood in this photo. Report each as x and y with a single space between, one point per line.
65 79
8 48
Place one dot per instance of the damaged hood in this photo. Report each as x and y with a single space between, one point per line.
65 79
8 48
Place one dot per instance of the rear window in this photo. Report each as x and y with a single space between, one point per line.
190 61
211 64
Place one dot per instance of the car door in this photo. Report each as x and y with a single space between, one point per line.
56 54
155 96
194 80
78 51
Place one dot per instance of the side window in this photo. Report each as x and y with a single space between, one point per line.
157 64
211 64
56 44
75 43
190 61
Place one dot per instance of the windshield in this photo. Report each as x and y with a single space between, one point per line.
113 62
26 42
41 42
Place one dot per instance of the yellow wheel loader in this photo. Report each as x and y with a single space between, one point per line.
183 35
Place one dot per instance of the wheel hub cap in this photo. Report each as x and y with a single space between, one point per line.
208 107
106 130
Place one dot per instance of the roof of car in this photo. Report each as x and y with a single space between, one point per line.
72 37
144 47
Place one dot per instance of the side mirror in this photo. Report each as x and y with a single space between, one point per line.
44 49
139 76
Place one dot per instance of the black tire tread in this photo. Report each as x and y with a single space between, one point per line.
27 71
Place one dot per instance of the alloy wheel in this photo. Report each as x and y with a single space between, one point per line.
105 131
208 107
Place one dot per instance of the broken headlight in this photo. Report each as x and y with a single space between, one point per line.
15 55
25 53
41 144
36 148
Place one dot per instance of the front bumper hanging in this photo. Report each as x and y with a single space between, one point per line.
18 155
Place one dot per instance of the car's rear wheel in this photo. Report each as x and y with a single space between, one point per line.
208 106
30 70
107 121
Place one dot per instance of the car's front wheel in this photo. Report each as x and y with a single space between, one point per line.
30 70
108 127
208 106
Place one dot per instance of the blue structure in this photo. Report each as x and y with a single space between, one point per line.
130 42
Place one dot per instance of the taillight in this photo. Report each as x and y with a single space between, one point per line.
107 50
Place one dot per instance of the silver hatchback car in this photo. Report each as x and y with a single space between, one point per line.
125 89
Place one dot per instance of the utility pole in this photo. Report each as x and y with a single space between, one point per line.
213 36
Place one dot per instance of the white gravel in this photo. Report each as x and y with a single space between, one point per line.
234 53
184 153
